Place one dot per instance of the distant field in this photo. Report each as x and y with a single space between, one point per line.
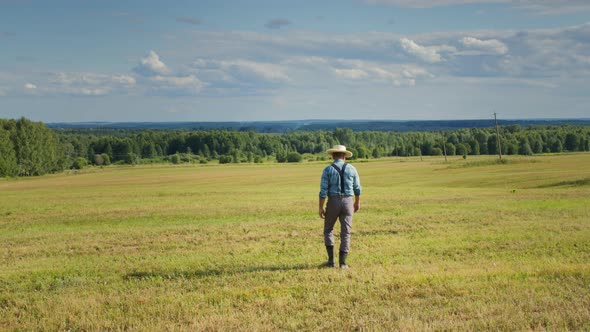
465 245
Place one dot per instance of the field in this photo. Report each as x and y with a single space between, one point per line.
464 245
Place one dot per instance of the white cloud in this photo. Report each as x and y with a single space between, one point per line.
29 86
175 85
152 65
427 54
245 75
353 73
90 79
87 91
267 71
490 46
88 84
297 60
178 81
124 80
361 70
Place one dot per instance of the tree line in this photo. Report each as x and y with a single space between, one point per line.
30 148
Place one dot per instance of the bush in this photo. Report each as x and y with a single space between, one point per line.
79 163
294 157
106 158
131 158
175 159
225 159
281 157
98 160
185 157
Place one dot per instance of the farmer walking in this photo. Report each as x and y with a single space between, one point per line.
340 182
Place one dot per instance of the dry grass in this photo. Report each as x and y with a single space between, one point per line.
224 247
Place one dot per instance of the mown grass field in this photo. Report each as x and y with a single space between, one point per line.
468 245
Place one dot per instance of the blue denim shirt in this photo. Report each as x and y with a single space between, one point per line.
330 183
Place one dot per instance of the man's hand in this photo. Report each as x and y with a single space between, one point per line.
322 211
357 203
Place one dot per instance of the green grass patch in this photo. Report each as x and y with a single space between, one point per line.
487 161
238 247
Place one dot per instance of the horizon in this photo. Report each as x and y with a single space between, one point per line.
329 120
359 60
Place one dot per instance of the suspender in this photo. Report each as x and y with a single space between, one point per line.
341 173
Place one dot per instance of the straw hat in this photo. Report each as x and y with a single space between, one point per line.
340 148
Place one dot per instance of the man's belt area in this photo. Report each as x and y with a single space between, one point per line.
339 195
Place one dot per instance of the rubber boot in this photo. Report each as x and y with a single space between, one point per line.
330 261
342 260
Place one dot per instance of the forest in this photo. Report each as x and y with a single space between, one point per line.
29 148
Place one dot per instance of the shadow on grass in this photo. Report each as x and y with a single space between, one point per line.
373 232
214 272
574 183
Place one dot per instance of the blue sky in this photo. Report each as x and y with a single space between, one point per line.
70 61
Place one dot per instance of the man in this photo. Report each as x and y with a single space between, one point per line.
340 182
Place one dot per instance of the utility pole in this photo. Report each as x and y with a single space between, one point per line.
498 137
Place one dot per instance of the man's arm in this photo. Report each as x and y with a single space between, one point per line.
322 211
323 193
356 187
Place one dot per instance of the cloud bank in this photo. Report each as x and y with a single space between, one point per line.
253 63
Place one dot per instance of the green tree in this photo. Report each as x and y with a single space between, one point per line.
462 149
109 151
474 147
537 146
427 147
90 154
451 150
354 153
37 148
492 144
511 147
556 145
482 141
377 153
524 148
571 142
417 151
363 152
8 162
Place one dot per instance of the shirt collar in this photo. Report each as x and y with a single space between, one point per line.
339 161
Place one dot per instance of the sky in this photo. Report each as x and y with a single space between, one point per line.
267 60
